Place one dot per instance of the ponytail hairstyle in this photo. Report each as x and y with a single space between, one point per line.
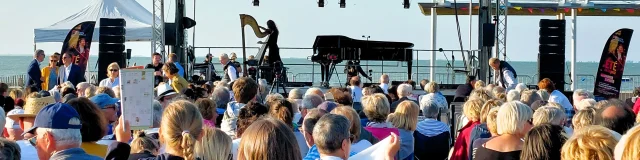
142 143
281 109
180 127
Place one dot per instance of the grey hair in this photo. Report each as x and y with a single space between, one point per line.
312 91
311 101
428 106
544 94
528 97
38 52
295 93
551 115
585 103
404 90
513 95
63 137
82 86
330 131
582 92
157 113
222 96
56 95
521 87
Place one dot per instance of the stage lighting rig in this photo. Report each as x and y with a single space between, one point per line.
256 3
343 4
407 4
320 3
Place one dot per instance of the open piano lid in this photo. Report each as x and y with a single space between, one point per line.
339 41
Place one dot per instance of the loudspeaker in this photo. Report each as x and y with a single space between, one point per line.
111 44
170 34
552 66
552 36
489 35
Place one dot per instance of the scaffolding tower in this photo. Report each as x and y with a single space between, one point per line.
157 41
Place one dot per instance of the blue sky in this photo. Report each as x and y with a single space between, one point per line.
300 21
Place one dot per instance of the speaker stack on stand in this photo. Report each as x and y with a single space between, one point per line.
551 52
111 45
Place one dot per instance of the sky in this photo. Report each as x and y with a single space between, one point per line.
300 21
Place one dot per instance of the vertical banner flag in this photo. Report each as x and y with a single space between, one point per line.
611 67
78 43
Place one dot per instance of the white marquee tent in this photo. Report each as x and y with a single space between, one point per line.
139 21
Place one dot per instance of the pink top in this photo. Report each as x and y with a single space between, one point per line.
381 133
209 123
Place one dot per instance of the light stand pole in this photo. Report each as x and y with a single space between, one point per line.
367 50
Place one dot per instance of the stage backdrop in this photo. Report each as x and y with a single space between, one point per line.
614 55
78 42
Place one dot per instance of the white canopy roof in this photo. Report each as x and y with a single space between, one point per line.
139 21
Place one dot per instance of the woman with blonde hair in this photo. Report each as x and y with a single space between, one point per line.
376 107
480 94
90 91
591 142
471 110
112 80
180 129
482 130
215 145
268 138
143 146
50 73
583 118
405 119
629 146
479 84
513 122
357 144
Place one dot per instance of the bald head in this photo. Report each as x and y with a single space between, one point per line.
355 81
616 116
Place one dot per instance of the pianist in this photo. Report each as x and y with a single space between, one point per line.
353 68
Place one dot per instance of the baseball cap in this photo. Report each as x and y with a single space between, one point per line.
56 116
327 106
103 100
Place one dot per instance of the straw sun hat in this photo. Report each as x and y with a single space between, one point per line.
33 106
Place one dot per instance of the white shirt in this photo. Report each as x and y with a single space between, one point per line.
107 83
510 81
330 158
231 71
356 93
557 97
65 73
234 148
385 88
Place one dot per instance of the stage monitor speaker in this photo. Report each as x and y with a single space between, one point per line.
489 35
552 66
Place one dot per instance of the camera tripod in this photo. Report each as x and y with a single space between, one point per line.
332 70
278 82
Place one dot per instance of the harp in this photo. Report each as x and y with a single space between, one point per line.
250 21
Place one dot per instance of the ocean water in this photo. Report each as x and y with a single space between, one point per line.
301 70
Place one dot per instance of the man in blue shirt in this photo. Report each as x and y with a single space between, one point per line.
173 58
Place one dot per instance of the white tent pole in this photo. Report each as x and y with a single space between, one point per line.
574 16
432 62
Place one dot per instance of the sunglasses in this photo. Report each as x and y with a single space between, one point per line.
32 141
53 60
113 70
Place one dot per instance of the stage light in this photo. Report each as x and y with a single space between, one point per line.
256 3
320 3
343 4
406 4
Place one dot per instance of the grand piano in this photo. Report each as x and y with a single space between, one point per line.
333 49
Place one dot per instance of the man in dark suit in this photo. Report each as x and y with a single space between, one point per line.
69 71
34 76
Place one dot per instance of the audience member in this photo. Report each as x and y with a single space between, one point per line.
56 95
585 103
332 137
273 98
89 91
26 119
583 118
316 91
513 95
529 96
544 94
631 101
580 94
590 142
627 148
376 108
498 89
341 96
247 115
557 97
513 121
362 139
393 94
100 90
208 111
308 124
404 91
384 83
165 94
550 115
543 142
113 74
521 87
433 91
295 97
245 91
482 130
143 146
268 138
615 116
309 102
463 91
405 119
356 93
12 126
94 126
480 94
10 149
471 110
107 105
60 140
215 144
176 81
432 138
423 83
492 115
282 110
